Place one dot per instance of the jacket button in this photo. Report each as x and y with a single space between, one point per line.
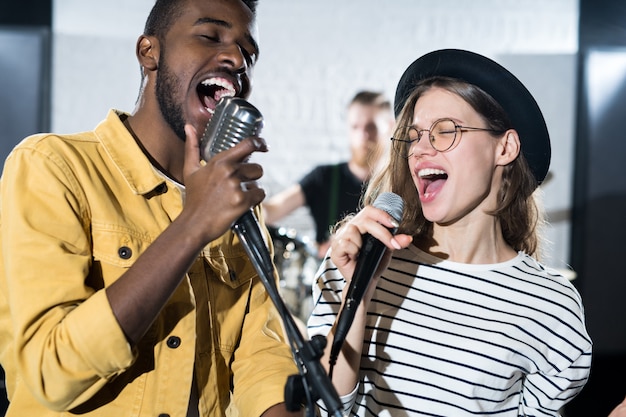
125 252
164 415
173 342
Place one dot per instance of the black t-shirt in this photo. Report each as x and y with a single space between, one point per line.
331 192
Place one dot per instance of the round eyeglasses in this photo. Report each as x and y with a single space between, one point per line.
442 135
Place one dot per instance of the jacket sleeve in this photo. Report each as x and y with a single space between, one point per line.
59 321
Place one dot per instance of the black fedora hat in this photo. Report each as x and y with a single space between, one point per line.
498 82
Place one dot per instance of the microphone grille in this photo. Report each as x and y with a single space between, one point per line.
234 120
391 203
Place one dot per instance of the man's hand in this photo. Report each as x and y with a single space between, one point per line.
219 191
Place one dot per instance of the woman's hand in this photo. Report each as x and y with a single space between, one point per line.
348 240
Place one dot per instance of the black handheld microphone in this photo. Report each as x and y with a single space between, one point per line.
234 120
367 262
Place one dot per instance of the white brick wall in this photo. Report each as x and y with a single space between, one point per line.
316 54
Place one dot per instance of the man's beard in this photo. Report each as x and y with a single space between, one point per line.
366 157
167 84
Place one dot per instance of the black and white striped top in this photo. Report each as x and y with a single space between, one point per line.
451 339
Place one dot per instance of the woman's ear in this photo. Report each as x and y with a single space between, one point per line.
147 51
508 148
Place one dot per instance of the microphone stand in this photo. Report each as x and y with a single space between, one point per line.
313 382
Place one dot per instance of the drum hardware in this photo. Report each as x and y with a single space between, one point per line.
296 264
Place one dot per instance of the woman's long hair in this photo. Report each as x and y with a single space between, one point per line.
517 209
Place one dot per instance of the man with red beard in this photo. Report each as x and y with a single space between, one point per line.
332 191
123 290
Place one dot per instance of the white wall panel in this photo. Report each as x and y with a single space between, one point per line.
315 55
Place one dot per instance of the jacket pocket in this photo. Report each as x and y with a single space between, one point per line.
115 249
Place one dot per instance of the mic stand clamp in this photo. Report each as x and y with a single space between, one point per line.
313 377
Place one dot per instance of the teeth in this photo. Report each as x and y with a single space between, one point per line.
224 93
430 171
221 82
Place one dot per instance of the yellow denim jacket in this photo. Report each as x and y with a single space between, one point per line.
76 212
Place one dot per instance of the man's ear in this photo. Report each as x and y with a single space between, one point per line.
147 51
508 148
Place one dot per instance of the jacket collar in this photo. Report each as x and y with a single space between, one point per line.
122 148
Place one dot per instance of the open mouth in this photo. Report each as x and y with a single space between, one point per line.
432 179
211 90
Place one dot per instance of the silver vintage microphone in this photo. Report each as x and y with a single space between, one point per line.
234 120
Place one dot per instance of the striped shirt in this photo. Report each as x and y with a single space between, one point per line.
450 339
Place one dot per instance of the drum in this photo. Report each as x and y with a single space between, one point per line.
296 264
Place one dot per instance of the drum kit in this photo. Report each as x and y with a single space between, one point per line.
296 263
